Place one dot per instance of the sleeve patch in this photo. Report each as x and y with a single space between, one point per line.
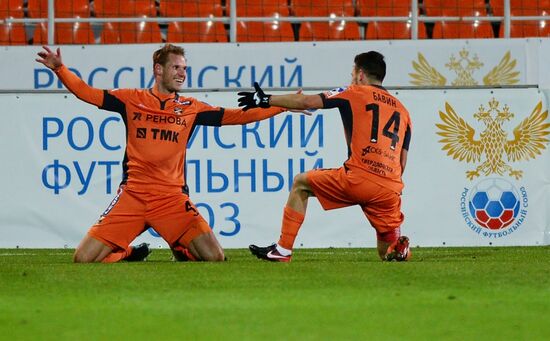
334 92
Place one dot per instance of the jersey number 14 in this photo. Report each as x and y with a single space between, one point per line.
387 131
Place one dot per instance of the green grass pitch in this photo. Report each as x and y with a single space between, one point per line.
494 293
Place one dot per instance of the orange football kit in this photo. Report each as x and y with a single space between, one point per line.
153 189
377 127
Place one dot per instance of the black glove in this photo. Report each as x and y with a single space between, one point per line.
255 99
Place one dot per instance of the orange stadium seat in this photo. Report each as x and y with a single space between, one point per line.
272 30
459 29
206 31
73 33
110 33
462 30
40 34
39 9
141 32
128 32
333 30
65 33
436 8
12 34
11 9
520 29
373 7
385 29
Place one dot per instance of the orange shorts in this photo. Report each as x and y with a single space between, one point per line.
336 188
172 215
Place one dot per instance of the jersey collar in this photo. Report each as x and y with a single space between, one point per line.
163 97
379 87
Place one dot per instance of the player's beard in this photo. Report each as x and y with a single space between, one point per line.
354 79
170 84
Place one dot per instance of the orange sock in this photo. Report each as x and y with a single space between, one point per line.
292 221
114 257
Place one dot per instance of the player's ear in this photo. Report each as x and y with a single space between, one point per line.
157 69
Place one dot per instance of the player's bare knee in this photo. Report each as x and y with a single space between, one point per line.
81 257
300 185
213 255
299 180
217 256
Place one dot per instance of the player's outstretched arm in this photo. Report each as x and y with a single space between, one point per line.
259 99
77 86
233 116
257 113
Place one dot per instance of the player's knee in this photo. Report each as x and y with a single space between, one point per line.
299 180
215 256
81 257
300 184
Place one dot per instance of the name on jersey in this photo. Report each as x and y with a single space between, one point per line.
158 134
166 119
384 99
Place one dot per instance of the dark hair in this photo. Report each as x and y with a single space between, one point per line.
161 55
372 63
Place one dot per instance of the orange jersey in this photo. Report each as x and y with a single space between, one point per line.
158 128
377 127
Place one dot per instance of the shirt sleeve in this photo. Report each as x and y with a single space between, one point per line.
239 116
115 100
407 139
208 115
217 116
335 98
78 87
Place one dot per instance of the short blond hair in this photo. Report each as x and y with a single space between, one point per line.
161 55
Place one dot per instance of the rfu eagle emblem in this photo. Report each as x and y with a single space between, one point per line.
464 67
530 138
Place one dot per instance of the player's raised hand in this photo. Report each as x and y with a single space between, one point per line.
49 58
258 98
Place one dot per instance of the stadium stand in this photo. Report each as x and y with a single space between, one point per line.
128 32
73 33
336 29
462 28
531 28
12 33
207 31
385 29
110 32
38 9
430 23
271 30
